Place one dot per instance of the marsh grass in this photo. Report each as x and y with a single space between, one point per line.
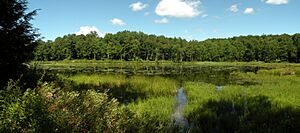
154 114
153 86
272 104
243 114
266 100
152 106
250 100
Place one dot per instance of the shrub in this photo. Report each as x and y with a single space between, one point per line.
22 111
50 109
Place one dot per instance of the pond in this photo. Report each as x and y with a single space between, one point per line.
218 75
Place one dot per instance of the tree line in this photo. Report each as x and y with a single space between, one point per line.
137 46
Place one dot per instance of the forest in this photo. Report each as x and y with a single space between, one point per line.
137 46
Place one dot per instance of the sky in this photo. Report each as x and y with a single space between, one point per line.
189 19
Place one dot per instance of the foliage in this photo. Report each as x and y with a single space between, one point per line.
50 109
17 38
137 46
16 32
85 111
22 111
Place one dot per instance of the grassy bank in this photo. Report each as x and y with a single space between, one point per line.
89 63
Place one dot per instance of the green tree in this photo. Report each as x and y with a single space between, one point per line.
17 37
296 39
16 32
128 45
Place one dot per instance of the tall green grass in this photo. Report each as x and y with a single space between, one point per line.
153 111
282 86
154 114
266 101
153 86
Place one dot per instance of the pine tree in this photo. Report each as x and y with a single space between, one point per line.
17 37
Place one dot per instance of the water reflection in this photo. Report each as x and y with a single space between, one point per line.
178 116
218 75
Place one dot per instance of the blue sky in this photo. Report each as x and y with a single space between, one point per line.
189 19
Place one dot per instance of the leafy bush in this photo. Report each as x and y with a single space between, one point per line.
22 111
50 109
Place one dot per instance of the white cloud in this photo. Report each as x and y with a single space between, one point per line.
146 13
117 21
138 6
204 15
161 21
249 11
276 2
84 30
234 8
178 8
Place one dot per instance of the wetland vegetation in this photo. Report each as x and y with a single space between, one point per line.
141 97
